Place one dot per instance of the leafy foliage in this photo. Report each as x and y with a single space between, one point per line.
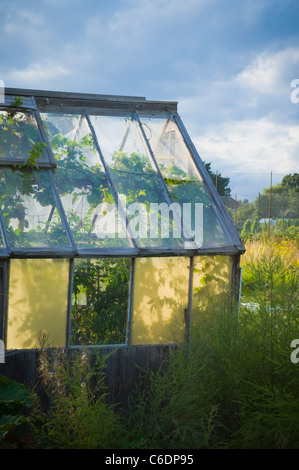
19 136
221 182
101 317
79 416
281 202
14 400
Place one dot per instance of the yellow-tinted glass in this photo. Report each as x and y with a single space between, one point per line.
211 286
160 299
37 303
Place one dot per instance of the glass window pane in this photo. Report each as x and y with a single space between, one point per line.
137 183
20 140
29 210
71 139
37 303
183 181
211 292
82 184
100 301
160 300
119 134
169 148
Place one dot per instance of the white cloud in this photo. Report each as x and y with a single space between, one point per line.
271 146
248 151
271 73
36 73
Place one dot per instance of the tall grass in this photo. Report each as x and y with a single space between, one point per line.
79 416
232 386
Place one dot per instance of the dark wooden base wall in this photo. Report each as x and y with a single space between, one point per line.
124 366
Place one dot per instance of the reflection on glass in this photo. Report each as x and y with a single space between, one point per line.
137 182
20 139
181 176
170 151
29 210
100 301
82 184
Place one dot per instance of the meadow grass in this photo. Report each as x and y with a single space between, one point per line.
232 386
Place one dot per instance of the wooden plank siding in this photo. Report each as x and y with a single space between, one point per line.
125 366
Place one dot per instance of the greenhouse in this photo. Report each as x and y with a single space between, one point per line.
112 232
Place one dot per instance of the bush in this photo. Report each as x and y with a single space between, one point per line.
15 402
79 416
235 387
232 386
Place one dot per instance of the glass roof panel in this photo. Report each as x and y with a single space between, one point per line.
29 210
20 139
183 181
170 151
71 138
82 184
138 184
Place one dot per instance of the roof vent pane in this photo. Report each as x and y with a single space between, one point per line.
29 210
20 139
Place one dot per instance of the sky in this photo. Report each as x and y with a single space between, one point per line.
232 66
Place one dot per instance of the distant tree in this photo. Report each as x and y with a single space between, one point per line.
255 227
220 182
291 182
246 231
246 210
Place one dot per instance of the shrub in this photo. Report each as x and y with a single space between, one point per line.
79 416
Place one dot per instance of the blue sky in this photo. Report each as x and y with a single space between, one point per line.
228 63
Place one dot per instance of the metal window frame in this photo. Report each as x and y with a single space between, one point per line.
4 265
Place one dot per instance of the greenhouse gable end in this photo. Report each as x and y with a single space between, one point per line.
111 230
